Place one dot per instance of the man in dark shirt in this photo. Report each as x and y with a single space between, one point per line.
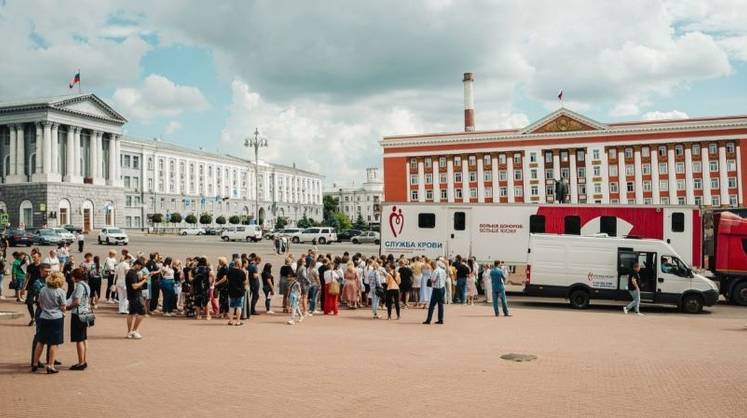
462 271
322 270
236 291
253 271
405 285
134 282
155 280
634 287
33 274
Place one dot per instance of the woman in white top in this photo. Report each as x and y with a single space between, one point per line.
110 264
53 261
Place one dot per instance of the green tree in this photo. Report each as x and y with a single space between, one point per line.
281 222
156 218
303 222
221 220
191 219
360 223
331 205
175 217
234 220
312 222
206 219
343 221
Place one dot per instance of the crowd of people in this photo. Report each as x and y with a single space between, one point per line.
230 289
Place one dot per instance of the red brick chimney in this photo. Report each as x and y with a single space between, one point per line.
469 103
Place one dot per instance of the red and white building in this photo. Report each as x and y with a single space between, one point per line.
696 161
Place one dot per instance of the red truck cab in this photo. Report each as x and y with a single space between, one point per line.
728 258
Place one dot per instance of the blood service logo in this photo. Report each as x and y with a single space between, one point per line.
396 221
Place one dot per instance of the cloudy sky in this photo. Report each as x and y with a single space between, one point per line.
325 80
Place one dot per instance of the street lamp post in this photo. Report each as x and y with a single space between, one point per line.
256 142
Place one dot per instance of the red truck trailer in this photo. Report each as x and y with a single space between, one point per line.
726 253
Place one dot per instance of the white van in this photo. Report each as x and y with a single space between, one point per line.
581 268
242 233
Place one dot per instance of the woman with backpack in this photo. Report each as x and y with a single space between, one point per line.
79 304
201 288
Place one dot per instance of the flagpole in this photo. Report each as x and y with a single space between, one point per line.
80 83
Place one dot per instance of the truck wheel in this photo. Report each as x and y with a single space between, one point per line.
579 299
692 303
322 240
739 294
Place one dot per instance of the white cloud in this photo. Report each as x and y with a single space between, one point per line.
657 115
172 127
158 97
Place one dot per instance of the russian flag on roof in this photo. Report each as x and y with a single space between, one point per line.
75 80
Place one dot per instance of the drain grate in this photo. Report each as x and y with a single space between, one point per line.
519 358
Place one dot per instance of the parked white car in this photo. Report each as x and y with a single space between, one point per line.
316 235
113 236
371 237
66 235
192 231
242 232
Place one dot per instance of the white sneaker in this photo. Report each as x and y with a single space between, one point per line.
270 313
291 322
300 319
136 335
625 310
309 314
639 314
130 335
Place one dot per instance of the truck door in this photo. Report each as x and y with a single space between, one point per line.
626 258
678 231
459 239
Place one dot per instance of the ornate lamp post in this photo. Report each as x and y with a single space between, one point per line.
256 142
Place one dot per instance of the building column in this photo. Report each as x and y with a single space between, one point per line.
437 182
689 191
740 198
604 170
723 182
113 161
622 179
480 181
117 182
95 156
47 145
55 168
449 180
510 178
21 152
527 178
13 176
573 177
39 149
672 177
70 155
78 171
555 164
495 186
706 170
465 180
638 177
421 181
655 194
589 181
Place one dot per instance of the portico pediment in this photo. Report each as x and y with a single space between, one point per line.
563 120
88 105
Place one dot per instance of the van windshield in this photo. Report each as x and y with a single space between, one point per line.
673 265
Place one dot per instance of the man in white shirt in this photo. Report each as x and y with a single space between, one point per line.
110 265
437 297
53 261
120 274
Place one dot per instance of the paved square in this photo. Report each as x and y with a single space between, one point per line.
597 362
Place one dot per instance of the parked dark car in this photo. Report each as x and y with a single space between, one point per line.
19 237
348 235
72 228
213 230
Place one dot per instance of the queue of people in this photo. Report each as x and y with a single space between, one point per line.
57 283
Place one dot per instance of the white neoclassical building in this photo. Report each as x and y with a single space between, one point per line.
364 200
64 160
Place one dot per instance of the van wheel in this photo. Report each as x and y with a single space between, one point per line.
739 294
692 303
377 242
296 240
579 299
225 239
248 239
322 240
354 241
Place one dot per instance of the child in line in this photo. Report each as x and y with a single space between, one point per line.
294 300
